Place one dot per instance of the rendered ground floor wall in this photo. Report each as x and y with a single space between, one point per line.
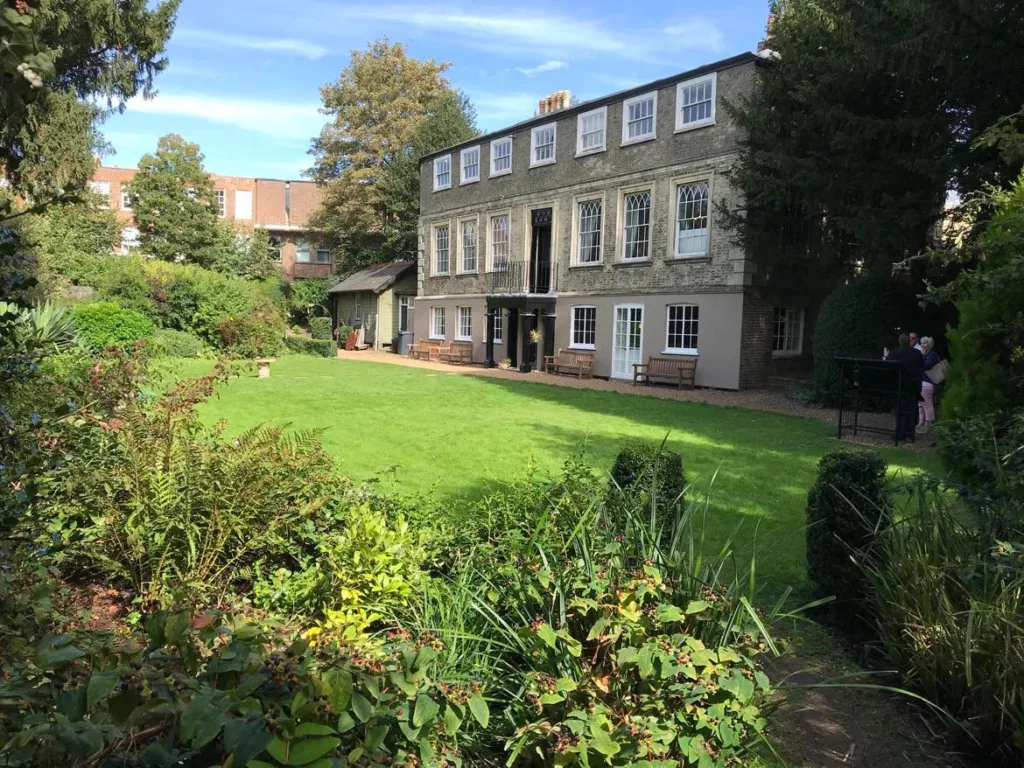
721 328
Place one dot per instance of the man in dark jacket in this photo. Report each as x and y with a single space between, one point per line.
913 366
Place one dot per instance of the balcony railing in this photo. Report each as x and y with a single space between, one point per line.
521 277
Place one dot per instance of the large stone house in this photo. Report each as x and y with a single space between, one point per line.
281 207
594 227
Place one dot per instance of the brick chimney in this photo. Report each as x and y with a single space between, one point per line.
764 48
554 102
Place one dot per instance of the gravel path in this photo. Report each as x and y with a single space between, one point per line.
772 400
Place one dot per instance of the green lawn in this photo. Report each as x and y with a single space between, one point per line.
454 435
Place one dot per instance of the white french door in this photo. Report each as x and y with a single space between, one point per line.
627 339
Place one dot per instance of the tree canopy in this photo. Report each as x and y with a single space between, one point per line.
103 52
173 203
376 107
862 122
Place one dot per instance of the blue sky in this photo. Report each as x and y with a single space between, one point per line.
244 75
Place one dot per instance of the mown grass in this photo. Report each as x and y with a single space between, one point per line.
453 436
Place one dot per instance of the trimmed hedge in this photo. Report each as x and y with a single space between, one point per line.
170 343
107 324
859 320
321 327
650 469
847 507
317 347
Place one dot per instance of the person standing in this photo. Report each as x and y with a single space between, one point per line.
930 359
913 368
915 341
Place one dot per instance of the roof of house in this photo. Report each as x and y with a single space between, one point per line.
375 278
732 61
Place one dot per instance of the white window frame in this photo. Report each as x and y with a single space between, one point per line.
459 335
499 328
460 267
572 327
534 132
437 160
626 140
310 252
435 314
434 271
246 194
404 303
710 120
621 234
490 238
492 158
129 244
463 178
126 203
578 203
673 245
800 333
580 151
681 350
220 197
101 188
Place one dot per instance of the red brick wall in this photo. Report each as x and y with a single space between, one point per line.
755 341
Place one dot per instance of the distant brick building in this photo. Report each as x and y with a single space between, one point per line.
281 207
595 227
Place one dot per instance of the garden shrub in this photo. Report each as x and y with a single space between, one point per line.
306 346
650 471
343 333
170 343
304 297
321 327
947 614
256 335
105 323
846 507
199 688
860 319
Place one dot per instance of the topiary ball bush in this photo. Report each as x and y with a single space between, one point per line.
646 469
168 342
847 506
321 327
107 324
860 319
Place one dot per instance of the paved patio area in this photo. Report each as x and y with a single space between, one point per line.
773 400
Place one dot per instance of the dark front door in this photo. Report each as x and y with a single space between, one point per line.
540 251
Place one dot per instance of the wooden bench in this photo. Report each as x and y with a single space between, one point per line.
425 349
570 361
674 369
456 353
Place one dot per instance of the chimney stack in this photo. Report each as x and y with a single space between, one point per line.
554 102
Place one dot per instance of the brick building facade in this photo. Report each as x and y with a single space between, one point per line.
594 228
281 207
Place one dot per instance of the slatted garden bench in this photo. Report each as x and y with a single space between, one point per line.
456 353
681 370
572 362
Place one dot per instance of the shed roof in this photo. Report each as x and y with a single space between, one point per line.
375 278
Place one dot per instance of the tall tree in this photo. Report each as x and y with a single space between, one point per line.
450 120
102 51
173 204
375 108
862 121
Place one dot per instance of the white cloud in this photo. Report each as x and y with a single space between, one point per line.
275 118
698 35
270 44
547 66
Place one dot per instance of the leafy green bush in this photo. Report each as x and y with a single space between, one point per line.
151 497
256 335
203 689
307 346
104 324
321 327
305 296
948 617
343 334
846 507
860 319
170 343
649 471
